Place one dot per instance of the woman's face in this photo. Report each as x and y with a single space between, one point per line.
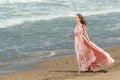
77 19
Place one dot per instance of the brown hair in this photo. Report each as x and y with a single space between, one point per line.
82 19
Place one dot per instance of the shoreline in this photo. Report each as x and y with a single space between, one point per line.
28 65
65 68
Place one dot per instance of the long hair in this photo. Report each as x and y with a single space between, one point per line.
82 19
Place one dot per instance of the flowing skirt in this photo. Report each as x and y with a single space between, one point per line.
90 55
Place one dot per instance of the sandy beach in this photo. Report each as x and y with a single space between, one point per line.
65 68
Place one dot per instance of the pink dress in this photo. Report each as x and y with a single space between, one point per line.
88 54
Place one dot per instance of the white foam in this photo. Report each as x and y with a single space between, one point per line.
52 54
20 1
106 11
17 21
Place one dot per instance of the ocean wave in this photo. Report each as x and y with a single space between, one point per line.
29 57
97 12
4 63
30 1
21 1
17 21
20 20
43 54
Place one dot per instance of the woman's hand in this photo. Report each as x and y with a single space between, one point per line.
70 35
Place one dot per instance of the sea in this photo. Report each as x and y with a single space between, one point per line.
34 30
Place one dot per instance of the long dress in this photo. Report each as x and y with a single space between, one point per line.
88 54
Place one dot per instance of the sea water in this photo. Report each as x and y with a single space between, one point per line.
36 29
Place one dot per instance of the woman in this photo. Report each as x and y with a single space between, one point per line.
89 55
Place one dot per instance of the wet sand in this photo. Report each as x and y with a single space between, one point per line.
66 68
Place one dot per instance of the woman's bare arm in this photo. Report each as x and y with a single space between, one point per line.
70 36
